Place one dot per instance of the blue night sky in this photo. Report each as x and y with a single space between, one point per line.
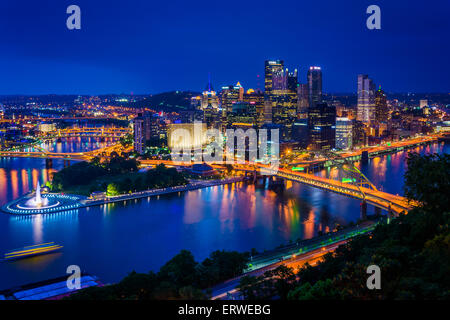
154 46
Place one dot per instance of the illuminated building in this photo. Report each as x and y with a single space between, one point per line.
196 102
46 126
138 134
314 85
242 113
292 80
271 67
359 134
366 99
423 104
190 135
280 100
302 100
344 133
256 98
322 126
230 95
300 132
210 107
381 107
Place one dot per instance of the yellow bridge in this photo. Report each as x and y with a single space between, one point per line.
105 132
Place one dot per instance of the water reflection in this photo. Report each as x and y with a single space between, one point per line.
111 240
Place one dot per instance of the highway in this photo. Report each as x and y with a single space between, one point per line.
226 290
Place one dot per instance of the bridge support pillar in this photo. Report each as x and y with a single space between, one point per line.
365 156
48 163
390 214
377 211
275 182
363 210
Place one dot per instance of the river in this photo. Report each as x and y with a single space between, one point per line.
141 235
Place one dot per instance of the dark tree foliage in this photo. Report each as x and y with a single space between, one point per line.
221 265
180 278
428 180
275 283
77 174
412 251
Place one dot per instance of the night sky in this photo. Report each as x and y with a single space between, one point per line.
154 46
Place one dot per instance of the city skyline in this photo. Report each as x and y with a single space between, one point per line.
150 48
252 151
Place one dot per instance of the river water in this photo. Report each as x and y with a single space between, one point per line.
141 235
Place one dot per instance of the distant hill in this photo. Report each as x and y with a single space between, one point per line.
173 101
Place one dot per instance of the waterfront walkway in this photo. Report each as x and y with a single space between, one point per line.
155 192
77 202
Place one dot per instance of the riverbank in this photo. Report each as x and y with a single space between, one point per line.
157 192
78 201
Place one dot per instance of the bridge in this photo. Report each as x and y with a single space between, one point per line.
373 151
379 199
357 186
103 132
80 156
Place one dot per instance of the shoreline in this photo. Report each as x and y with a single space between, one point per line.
82 202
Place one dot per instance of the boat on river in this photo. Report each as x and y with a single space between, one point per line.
31 251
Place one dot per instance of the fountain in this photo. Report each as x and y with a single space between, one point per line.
37 201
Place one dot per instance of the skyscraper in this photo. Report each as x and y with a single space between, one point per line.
344 133
292 80
279 98
302 100
271 67
381 107
315 85
242 114
210 107
322 126
138 134
366 99
256 98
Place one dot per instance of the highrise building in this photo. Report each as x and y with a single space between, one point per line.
292 80
381 107
423 103
366 99
271 67
210 107
322 126
242 114
359 136
300 132
280 96
256 98
230 95
302 100
344 133
138 134
314 85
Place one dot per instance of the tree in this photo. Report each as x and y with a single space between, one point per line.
180 270
321 290
427 180
112 190
220 266
412 251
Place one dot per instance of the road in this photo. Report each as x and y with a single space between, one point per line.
228 289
